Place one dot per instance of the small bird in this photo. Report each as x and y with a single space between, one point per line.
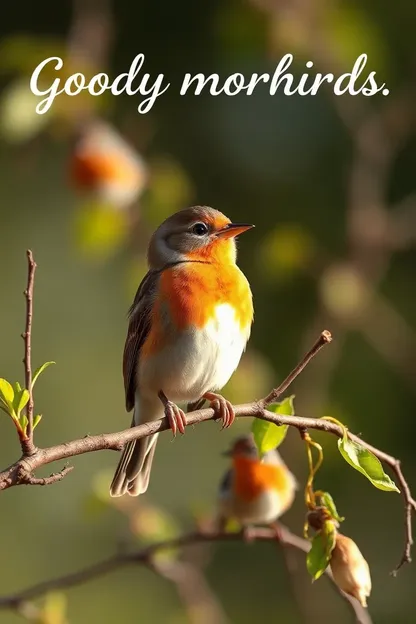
255 491
189 325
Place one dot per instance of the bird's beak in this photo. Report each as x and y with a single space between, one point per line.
231 230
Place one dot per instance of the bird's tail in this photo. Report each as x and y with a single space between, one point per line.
133 470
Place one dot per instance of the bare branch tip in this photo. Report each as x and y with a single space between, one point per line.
326 336
404 560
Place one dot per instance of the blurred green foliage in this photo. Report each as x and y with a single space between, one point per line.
282 163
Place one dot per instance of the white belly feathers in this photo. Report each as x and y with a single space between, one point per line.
265 508
200 360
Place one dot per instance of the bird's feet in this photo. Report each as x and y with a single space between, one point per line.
276 527
223 408
249 534
174 414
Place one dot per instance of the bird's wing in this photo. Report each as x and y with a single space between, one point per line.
226 482
139 327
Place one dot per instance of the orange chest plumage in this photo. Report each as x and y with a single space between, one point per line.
192 291
252 478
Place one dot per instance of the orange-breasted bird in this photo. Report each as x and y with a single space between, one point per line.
255 491
189 325
106 166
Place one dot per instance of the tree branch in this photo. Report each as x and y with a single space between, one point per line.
146 557
200 602
19 472
29 479
28 447
324 339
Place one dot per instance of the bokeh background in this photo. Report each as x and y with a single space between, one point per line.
329 183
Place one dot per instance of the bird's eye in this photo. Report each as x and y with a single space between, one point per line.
200 229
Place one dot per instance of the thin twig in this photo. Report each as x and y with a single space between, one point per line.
29 479
201 604
291 565
410 506
28 447
146 555
324 339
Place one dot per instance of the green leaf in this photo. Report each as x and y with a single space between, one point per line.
365 462
39 371
328 502
318 557
6 398
17 387
54 609
267 435
23 422
285 407
21 398
6 392
232 525
37 420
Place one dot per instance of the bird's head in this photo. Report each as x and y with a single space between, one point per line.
244 446
199 233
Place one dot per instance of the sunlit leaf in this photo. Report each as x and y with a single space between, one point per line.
7 397
54 609
37 420
365 462
318 557
21 399
267 435
39 371
23 422
328 502
6 391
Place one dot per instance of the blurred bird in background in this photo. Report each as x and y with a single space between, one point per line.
255 491
109 177
106 167
189 325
